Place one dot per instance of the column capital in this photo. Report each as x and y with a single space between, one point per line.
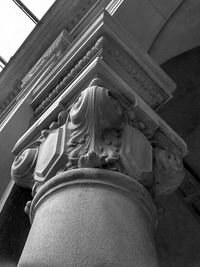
101 113
103 130
98 153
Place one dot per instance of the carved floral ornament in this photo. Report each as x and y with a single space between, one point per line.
99 131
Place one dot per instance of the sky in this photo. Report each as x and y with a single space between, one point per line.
15 25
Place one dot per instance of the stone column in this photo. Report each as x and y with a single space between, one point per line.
94 174
97 155
91 217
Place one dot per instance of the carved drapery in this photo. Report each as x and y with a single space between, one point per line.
100 131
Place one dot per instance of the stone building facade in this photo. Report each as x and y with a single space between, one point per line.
99 137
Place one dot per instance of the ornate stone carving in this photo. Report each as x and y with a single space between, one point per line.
48 59
149 88
95 124
135 152
101 130
23 167
70 76
51 155
168 171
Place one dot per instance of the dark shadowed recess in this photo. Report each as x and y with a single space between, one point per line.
14 226
182 112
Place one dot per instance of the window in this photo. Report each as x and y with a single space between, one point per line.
19 18
2 63
38 7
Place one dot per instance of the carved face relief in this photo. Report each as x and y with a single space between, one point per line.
168 170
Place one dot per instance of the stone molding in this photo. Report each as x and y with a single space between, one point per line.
98 68
147 87
83 9
144 76
105 207
54 52
48 60
70 76
10 99
89 176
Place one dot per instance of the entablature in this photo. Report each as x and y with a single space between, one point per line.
107 39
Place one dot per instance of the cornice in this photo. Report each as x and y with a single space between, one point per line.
48 60
59 60
70 76
150 81
12 81
85 8
99 68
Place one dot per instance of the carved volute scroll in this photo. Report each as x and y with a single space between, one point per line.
23 167
100 132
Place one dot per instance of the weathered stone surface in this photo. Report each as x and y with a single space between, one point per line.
50 155
95 218
11 128
102 130
136 152
168 171
107 123
23 167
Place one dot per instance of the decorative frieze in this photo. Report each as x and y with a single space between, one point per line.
41 69
147 87
70 76
149 120
48 60
118 52
51 56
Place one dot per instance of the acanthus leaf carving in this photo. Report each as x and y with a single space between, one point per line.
95 124
100 131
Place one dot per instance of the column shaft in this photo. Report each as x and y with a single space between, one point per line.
90 217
